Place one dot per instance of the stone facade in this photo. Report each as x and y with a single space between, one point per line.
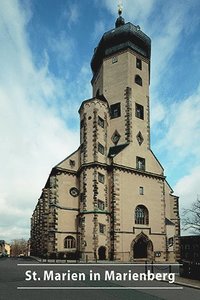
110 199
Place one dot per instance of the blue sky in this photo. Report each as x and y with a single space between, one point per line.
45 52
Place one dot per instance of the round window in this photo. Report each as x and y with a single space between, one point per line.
74 192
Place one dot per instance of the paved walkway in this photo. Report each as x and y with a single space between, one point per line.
187 282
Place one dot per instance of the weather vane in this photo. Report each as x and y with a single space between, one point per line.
120 7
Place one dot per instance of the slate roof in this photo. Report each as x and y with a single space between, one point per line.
113 151
168 222
118 39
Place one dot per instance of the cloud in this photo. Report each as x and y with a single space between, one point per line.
133 10
166 22
13 232
99 29
33 138
182 128
188 190
188 187
159 112
166 37
71 14
62 47
77 90
179 147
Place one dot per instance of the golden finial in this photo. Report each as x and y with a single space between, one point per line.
120 7
120 20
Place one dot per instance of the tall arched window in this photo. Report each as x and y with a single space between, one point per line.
138 79
141 215
69 242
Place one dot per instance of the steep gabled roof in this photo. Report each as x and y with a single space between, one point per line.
98 97
60 163
168 222
113 151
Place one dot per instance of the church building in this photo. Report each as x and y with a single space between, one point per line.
109 200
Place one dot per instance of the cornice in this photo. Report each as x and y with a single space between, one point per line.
110 167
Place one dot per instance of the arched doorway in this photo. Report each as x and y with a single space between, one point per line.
142 247
102 253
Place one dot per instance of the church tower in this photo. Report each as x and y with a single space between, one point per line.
119 205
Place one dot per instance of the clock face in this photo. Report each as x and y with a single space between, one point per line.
74 192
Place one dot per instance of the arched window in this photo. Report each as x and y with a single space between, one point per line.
69 242
138 79
141 215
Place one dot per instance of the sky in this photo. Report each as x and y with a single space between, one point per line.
45 52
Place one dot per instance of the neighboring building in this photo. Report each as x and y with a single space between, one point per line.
7 249
110 199
4 248
190 256
28 250
190 248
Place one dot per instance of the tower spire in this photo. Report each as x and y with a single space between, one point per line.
120 8
120 20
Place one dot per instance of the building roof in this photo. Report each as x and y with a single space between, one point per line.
190 238
113 151
98 97
168 222
118 39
